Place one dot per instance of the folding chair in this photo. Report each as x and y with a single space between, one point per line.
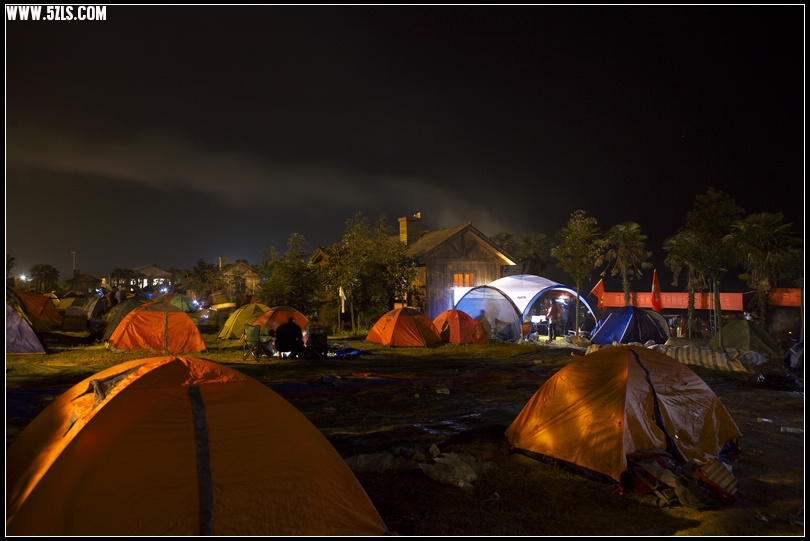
256 344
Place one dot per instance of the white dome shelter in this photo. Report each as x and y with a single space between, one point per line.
506 302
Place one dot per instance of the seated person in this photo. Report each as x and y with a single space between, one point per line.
289 338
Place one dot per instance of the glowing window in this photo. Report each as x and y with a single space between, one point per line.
463 280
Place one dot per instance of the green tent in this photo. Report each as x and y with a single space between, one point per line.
234 326
179 300
747 336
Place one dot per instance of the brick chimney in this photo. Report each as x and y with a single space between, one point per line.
410 228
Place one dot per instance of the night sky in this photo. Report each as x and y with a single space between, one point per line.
165 135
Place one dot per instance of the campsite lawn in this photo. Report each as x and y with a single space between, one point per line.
385 408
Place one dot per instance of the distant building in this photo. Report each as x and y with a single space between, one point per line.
458 256
150 277
239 279
83 282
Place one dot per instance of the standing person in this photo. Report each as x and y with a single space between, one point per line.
551 318
110 298
482 319
290 337
565 314
120 295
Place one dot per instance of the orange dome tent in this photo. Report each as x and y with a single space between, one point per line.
404 327
601 407
459 327
157 327
175 446
271 319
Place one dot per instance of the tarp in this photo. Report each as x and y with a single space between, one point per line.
458 327
600 407
235 324
748 336
21 338
272 318
179 446
630 324
506 302
157 327
403 327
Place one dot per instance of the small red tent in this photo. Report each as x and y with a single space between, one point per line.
40 309
404 327
459 327
271 319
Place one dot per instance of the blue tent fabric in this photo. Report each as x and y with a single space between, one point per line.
21 338
630 324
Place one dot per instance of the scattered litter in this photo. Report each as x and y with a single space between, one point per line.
450 469
763 420
791 430
495 499
443 390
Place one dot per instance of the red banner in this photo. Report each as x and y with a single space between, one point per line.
680 301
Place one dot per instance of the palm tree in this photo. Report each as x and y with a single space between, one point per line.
625 253
710 221
534 253
579 250
682 249
45 277
766 249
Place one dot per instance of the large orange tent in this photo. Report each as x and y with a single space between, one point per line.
176 446
404 327
157 327
605 405
271 319
459 327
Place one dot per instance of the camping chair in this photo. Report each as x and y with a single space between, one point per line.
256 344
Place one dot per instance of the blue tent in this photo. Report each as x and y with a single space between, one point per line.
630 324
21 338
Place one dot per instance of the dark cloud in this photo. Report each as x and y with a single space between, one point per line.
169 134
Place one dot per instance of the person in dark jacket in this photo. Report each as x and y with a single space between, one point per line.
551 317
289 338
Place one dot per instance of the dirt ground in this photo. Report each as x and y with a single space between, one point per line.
388 411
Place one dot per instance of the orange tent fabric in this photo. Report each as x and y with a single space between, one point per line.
601 407
39 308
459 327
157 327
176 446
274 317
404 327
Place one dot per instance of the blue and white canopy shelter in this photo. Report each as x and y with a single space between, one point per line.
508 301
